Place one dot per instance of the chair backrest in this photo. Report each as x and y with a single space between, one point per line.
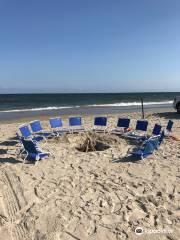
169 125
36 126
75 121
142 125
25 131
154 142
123 122
162 136
18 137
149 147
100 121
156 129
29 146
55 122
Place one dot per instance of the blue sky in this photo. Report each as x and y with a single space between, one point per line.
89 45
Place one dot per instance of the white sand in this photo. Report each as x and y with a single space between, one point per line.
83 196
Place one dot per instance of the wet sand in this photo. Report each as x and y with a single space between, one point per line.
84 111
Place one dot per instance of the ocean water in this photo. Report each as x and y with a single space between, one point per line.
45 102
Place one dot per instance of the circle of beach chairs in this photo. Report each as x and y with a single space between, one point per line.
32 133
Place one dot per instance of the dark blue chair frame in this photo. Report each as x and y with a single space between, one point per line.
56 122
26 133
33 152
36 126
37 129
169 125
157 129
76 122
56 125
100 122
123 122
141 125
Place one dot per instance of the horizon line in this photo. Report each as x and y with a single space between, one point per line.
13 93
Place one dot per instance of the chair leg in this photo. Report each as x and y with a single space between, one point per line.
45 139
25 158
50 153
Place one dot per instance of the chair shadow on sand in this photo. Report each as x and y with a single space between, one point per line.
168 115
9 143
9 160
126 159
3 151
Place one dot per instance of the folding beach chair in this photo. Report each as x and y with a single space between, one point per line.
161 138
156 140
169 127
21 150
147 149
149 146
26 133
156 130
155 133
100 124
37 129
76 125
140 131
33 152
122 125
56 125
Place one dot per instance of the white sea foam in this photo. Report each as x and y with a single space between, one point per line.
40 109
126 104
121 104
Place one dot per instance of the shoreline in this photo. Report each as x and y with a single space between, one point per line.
11 117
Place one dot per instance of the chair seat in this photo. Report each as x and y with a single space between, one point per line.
117 131
78 130
140 153
40 155
38 138
61 131
99 130
45 134
134 136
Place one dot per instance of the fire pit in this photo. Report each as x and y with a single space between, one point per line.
93 142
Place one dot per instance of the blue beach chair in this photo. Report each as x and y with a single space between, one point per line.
156 130
156 140
33 152
141 125
140 131
161 138
56 125
169 127
37 129
155 133
122 125
147 149
76 125
100 124
21 150
26 133
149 146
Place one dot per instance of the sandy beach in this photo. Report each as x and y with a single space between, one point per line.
90 196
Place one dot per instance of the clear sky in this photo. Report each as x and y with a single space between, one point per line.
89 45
